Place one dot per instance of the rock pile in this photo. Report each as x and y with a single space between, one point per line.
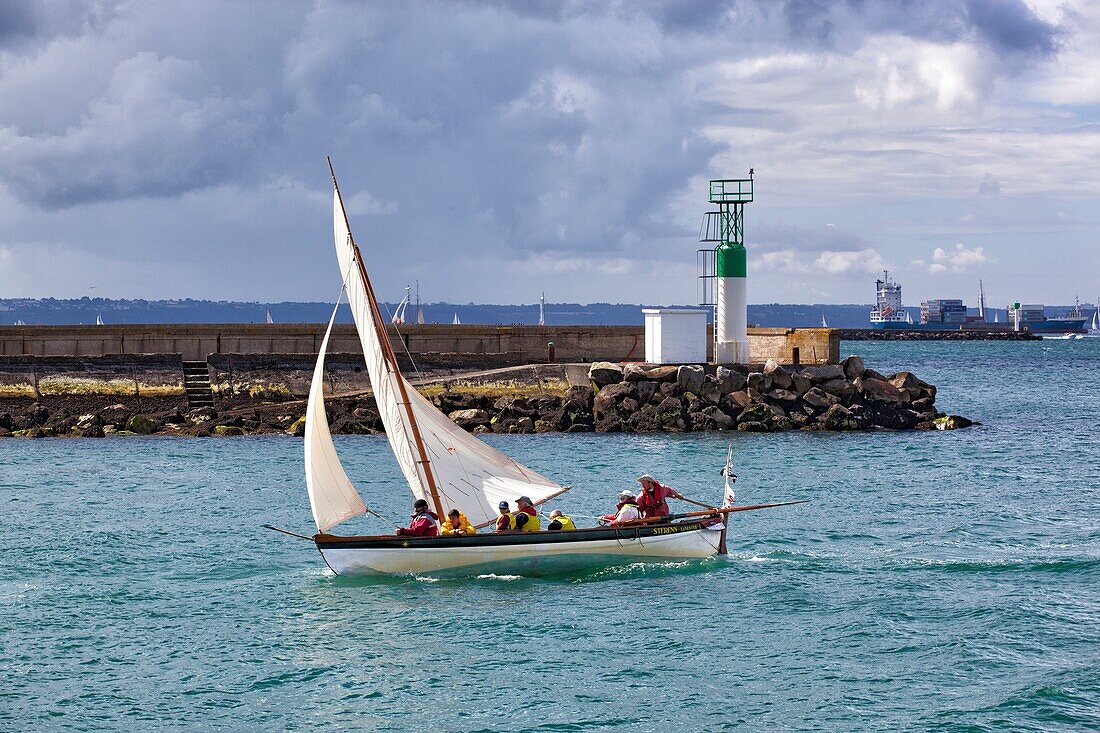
621 398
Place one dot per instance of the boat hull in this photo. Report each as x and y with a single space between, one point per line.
530 554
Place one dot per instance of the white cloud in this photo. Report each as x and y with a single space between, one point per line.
839 263
959 258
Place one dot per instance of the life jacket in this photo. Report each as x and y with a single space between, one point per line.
654 503
463 524
565 524
531 524
505 523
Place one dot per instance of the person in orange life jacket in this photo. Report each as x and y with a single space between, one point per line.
625 511
457 525
653 501
424 522
504 521
526 517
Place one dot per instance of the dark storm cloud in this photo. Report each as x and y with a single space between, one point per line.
1009 25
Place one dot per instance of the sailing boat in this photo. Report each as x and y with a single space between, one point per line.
99 319
909 318
824 323
451 469
268 315
456 322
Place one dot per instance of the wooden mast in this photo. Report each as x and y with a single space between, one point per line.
390 357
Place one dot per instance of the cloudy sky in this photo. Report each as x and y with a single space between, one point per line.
496 149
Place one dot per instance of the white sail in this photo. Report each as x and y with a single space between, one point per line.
1096 318
456 322
269 316
468 475
332 496
99 319
824 323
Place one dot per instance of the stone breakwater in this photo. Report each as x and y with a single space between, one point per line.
618 398
873 334
846 396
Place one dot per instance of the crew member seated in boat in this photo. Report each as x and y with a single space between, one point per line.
457 525
505 521
559 522
526 518
625 511
424 522
653 501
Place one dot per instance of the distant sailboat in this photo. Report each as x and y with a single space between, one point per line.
419 310
542 310
1094 329
996 317
908 317
21 323
456 322
399 313
98 319
269 316
824 323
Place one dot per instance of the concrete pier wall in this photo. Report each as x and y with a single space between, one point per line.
498 345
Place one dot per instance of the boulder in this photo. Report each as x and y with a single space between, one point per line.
782 395
633 373
952 422
820 399
86 421
514 407
36 414
662 373
853 367
579 428
878 390
227 430
908 383
578 397
503 424
872 374
689 378
756 413
758 381
738 400
646 390
753 427
544 426
800 384
780 377
841 388
822 372
729 380
526 424
721 420
449 402
481 429
628 406
924 406
199 414
669 411
92 431
609 424
710 392
838 417
645 420
469 419
603 373
754 395
298 428
142 425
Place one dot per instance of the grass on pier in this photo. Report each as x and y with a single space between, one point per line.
82 387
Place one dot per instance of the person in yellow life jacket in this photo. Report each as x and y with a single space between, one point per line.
457 525
559 522
526 518
505 522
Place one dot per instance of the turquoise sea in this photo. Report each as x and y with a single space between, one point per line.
937 581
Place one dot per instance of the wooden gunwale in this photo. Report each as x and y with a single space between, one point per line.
496 539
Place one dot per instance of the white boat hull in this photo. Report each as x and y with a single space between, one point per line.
529 558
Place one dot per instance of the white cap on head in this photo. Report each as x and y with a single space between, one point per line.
646 477
626 494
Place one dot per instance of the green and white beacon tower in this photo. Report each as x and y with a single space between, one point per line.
722 282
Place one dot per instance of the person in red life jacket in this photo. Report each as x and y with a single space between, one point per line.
505 522
625 511
526 517
653 501
424 523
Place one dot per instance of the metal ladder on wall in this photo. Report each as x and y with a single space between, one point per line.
196 384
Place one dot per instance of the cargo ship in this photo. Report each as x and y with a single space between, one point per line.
950 314
1032 317
942 314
